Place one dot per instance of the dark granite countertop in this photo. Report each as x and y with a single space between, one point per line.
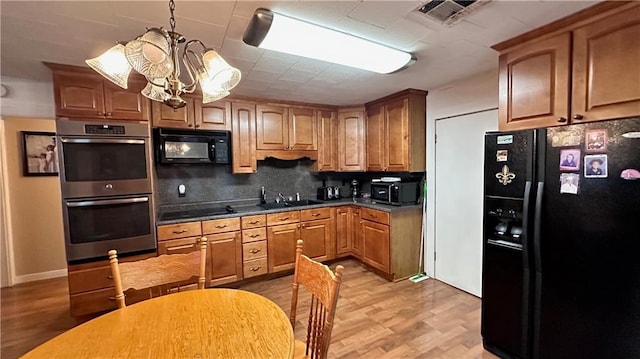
248 208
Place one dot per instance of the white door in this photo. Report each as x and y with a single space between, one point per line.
458 198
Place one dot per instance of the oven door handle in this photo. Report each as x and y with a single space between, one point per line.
107 202
102 140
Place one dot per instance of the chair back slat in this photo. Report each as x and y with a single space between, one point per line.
323 285
167 269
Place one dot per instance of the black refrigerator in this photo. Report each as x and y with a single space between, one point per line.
561 243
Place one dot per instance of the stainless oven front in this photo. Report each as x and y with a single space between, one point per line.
93 226
99 159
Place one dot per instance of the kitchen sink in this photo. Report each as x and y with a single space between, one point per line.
304 202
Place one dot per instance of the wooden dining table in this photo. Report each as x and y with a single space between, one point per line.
210 323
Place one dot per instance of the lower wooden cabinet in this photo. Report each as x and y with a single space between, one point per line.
344 233
318 237
356 233
91 288
375 245
225 251
281 246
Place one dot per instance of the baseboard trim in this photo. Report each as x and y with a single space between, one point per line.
40 276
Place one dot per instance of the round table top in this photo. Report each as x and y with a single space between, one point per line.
210 323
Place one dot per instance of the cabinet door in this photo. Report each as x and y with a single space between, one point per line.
281 246
165 116
534 84
127 104
243 137
355 232
317 237
327 141
343 231
303 130
351 145
375 245
397 136
606 68
214 116
272 128
376 139
225 251
78 95
179 246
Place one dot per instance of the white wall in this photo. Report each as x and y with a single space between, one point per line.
27 98
475 93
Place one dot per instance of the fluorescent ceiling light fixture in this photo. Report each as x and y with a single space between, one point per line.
273 31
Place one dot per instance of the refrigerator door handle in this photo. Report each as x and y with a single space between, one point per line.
525 224
537 226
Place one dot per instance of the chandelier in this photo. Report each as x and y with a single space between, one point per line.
156 54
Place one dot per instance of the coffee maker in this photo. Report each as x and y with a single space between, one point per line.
355 189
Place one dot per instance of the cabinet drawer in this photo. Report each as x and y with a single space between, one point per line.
182 246
93 302
254 250
255 267
275 219
221 225
254 221
180 230
253 235
90 279
312 214
374 216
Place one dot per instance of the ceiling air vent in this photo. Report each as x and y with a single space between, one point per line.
449 12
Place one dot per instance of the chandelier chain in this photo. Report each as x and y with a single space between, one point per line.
172 20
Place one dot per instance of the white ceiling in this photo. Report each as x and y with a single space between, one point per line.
70 31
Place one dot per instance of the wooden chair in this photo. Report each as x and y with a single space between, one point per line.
158 271
324 285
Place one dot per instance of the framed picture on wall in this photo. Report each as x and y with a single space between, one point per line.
40 156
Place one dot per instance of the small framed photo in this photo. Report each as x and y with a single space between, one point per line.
569 183
596 140
570 160
39 154
595 166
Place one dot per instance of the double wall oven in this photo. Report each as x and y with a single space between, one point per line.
105 176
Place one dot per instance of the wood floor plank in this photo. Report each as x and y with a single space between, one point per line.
374 319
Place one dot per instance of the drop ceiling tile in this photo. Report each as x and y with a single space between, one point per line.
311 65
241 50
210 12
284 85
237 27
273 65
382 13
403 34
495 34
266 76
244 66
211 35
296 76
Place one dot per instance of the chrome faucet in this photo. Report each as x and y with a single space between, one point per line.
263 195
280 195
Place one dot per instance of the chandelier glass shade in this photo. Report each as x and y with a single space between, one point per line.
156 54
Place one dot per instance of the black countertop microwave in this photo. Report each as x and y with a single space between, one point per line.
191 146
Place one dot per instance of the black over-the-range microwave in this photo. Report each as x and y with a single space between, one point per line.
192 146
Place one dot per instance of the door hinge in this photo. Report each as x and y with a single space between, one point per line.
436 138
434 256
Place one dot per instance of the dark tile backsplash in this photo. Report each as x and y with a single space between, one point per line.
217 184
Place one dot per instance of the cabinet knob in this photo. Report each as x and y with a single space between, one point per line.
254 251
190 125
254 269
315 215
283 218
578 116
222 226
100 113
108 114
254 222
562 119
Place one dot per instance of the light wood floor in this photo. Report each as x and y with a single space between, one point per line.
374 319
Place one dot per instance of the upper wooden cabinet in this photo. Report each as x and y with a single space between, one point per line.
534 84
327 141
286 132
81 93
396 131
243 137
606 68
561 74
351 140
213 116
